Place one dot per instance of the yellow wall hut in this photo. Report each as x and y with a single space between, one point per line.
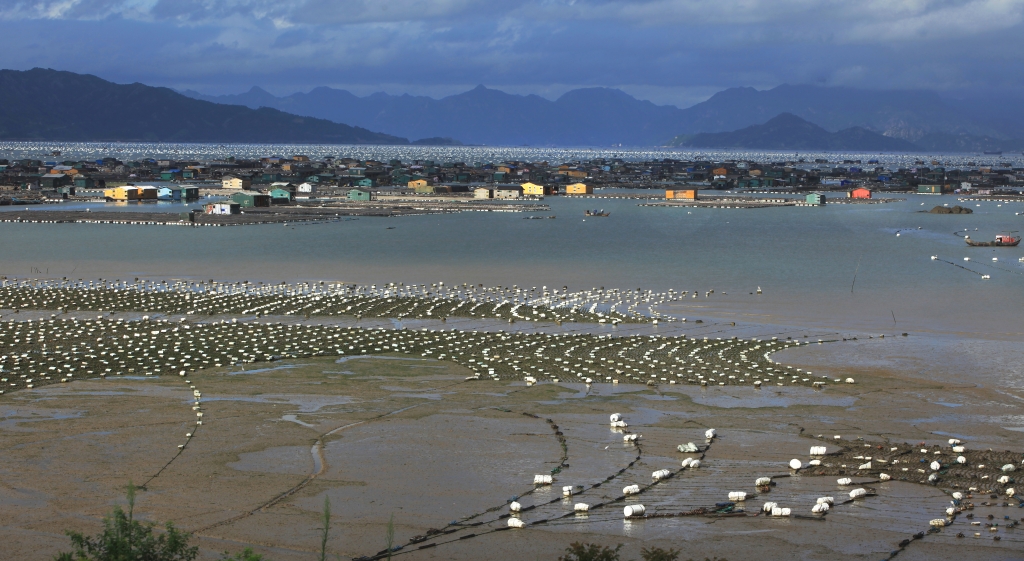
579 189
129 193
534 189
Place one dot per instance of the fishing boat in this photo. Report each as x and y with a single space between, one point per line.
596 213
1002 240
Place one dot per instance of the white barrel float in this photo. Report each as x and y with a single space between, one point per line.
795 464
950 511
688 448
777 511
954 441
1003 480
619 424
581 507
687 462
884 477
1011 492
844 481
542 479
515 523
858 493
938 523
820 508
864 466
814 463
710 433
1008 468
694 464
826 500
958 495
737 495
818 450
961 460
630 489
959 449
763 482
630 437
567 491
615 417
769 506
515 506
633 510
661 474
936 466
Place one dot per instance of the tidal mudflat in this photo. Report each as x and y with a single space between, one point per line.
444 447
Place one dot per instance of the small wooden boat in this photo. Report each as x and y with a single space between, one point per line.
596 213
1002 240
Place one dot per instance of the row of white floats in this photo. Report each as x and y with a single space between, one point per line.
821 506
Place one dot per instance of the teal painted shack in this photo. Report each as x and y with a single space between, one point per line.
816 199
360 195
280 196
251 200
189 193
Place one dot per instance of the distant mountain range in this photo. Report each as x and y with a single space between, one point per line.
42 104
591 117
605 117
789 132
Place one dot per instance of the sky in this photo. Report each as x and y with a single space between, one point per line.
676 52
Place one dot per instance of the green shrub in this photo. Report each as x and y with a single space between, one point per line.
125 539
246 554
658 554
590 552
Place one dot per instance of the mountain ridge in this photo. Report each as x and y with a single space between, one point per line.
46 104
787 131
608 116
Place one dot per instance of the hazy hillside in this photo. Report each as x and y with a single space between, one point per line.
42 104
789 132
592 116
603 116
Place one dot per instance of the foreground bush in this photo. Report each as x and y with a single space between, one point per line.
592 552
125 539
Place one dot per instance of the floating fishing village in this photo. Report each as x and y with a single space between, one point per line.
276 189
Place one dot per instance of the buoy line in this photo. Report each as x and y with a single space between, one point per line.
575 512
958 265
461 524
188 436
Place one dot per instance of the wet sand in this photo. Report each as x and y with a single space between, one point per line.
414 439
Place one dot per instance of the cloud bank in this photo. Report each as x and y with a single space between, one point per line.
668 48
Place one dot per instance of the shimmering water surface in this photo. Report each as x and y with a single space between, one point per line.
469 154
839 266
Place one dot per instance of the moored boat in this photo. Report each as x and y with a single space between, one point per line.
1002 240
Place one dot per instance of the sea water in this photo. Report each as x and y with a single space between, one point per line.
837 264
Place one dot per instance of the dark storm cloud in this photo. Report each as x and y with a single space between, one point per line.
663 45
